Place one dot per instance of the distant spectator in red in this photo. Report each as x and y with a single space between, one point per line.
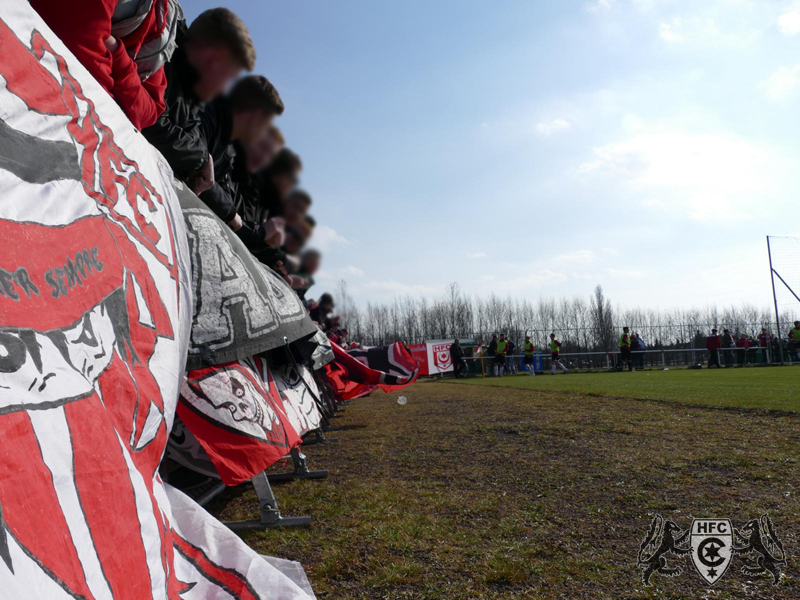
713 344
124 44
743 343
764 338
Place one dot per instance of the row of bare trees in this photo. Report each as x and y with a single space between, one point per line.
583 324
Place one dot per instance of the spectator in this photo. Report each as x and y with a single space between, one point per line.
765 342
457 358
309 265
332 329
555 354
625 355
323 309
123 44
511 365
343 333
210 55
641 347
528 349
743 343
728 344
295 207
244 116
277 181
713 344
501 351
492 349
794 342
258 231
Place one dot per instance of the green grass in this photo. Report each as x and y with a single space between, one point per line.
480 493
776 388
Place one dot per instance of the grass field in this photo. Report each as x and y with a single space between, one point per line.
479 492
776 388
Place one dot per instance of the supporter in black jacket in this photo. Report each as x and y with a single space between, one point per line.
210 54
255 232
244 116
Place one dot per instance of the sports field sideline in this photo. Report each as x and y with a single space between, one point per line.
493 489
773 388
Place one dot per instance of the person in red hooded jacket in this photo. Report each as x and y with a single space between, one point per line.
713 344
123 44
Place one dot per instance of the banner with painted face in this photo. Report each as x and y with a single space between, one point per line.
300 396
94 326
236 413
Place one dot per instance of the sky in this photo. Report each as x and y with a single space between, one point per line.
531 148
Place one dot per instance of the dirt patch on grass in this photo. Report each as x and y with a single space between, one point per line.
476 492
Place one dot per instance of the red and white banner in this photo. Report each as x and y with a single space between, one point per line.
434 357
236 413
359 372
94 326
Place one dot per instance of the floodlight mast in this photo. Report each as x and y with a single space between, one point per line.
775 299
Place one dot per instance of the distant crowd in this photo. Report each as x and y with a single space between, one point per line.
726 350
181 86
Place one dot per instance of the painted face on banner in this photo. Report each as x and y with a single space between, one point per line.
233 397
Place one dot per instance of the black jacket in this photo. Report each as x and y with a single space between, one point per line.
246 202
176 134
456 352
216 128
258 200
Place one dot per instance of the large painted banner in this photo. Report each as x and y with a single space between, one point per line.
241 308
95 316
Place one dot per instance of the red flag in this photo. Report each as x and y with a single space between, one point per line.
358 373
237 415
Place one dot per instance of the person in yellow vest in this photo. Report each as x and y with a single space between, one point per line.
555 351
625 355
528 360
500 355
794 341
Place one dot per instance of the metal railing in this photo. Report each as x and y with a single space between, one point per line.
640 359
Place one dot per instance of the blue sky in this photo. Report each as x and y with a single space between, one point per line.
540 148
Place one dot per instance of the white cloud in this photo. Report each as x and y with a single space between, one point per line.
326 237
783 83
347 272
476 255
533 281
680 30
391 287
669 33
547 128
597 6
626 273
789 22
584 257
700 175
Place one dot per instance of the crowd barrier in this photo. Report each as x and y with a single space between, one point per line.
642 359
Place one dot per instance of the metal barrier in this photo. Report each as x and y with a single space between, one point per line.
641 359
